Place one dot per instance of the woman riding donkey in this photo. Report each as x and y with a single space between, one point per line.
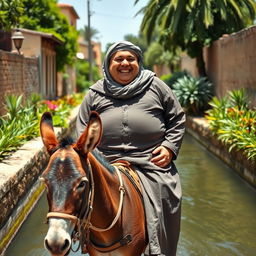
143 123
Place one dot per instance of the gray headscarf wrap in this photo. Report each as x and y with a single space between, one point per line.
138 85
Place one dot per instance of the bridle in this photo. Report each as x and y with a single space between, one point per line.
83 222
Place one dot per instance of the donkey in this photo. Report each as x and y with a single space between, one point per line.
91 202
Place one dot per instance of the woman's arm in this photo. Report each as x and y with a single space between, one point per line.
174 117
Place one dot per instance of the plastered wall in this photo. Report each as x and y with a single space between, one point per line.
230 63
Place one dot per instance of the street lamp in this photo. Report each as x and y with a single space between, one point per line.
17 39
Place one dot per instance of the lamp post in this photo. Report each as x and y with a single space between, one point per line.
89 40
17 39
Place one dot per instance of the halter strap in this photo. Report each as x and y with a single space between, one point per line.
62 216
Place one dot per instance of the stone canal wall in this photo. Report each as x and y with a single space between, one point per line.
18 194
19 185
199 129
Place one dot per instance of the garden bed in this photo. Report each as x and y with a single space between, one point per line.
199 129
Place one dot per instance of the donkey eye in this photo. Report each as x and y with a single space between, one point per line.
82 184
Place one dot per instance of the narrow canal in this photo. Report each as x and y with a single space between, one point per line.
218 216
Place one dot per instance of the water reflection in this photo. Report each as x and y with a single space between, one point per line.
218 208
218 216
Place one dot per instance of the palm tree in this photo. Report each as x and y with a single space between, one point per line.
139 40
192 24
157 55
93 33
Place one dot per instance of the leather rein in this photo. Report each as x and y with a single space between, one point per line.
83 222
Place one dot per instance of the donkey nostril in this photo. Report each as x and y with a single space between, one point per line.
57 247
47 245
65 245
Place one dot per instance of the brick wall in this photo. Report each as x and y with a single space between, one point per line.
18 75
231 63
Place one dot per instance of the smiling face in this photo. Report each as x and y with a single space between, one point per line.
124 67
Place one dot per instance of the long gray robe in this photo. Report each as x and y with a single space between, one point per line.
132 129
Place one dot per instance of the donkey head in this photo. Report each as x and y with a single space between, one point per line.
66 180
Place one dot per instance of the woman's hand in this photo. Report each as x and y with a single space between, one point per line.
163 156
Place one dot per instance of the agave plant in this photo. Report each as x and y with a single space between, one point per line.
193 93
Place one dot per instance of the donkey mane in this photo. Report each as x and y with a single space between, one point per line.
66 141
101 158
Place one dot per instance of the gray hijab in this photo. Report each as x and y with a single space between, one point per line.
138 85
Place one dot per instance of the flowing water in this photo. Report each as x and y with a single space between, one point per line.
218 214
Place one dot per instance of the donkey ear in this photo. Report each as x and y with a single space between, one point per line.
47 133
90 138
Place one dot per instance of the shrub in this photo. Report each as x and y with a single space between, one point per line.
45 16
171 79
60 108
21 123
234 123
18 125
193 93
166 78
82 75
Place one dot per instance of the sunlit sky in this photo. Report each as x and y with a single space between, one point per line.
112 18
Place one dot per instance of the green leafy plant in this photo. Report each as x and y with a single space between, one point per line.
171 79
239 99
193 93
13 106
21 122
18 125
45 16
10 11
191 25
218 112
82 75
60 108
234 123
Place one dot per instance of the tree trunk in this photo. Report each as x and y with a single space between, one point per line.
200 63
171 67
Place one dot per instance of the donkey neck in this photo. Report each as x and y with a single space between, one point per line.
106 194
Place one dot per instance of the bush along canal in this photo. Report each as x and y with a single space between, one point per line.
218 212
